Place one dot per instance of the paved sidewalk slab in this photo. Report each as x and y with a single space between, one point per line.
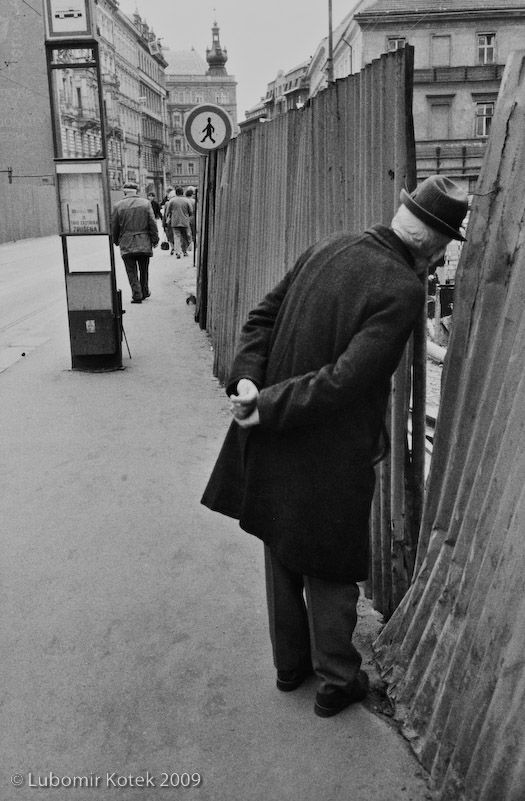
133 619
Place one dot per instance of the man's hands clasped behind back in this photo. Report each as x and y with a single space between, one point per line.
244 405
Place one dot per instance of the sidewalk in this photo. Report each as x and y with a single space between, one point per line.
134 620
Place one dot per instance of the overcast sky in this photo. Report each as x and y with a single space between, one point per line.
261 36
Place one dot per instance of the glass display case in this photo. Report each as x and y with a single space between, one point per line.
83 196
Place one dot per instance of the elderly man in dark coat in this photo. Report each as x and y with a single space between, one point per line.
309 388
134 229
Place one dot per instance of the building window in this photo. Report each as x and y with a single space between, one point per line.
191 168
440 121
440 51
484 115
177 146
178 168
486 48
395 43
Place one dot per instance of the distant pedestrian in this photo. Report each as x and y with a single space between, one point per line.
309 388
177 217
167 229
155 205
169 194
134 230
190 194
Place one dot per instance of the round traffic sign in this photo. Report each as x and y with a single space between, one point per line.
207 127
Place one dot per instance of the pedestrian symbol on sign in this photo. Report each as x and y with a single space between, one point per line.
208 130
208 127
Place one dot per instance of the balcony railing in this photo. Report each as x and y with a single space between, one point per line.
480 72
461 157
457 148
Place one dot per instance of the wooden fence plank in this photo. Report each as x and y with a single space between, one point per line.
453 651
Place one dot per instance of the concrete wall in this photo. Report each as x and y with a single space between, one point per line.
28 204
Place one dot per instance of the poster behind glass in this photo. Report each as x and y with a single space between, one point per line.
82 209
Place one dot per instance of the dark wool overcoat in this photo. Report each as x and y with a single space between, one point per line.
321 347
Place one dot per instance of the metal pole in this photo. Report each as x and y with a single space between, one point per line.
330 59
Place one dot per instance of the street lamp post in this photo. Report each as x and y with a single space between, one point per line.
142 104
330 59
124 155
139 159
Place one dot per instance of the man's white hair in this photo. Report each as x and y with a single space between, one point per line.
418 236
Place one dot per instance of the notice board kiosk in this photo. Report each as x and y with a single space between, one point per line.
79 135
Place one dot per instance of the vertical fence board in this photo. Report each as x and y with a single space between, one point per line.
453 651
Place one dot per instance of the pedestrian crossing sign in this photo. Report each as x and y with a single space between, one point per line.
207 127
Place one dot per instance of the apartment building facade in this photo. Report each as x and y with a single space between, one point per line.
192 81
460 51
134 90
27 191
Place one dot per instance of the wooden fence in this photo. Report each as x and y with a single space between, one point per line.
336 164
453 652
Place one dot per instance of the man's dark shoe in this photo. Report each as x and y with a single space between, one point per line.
136 300
288 680
330 703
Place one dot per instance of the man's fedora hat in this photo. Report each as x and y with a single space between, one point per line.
130 185
439 203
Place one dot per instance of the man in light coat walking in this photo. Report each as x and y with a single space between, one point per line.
177 216
134 229
309 388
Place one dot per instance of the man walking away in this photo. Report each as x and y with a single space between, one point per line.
134 229
190 195
163 206
309 388
177 216
155 205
